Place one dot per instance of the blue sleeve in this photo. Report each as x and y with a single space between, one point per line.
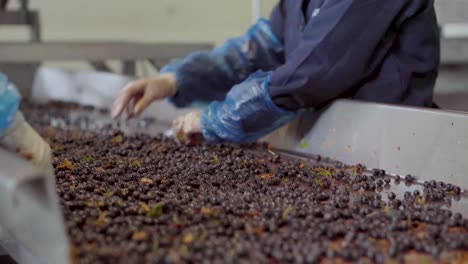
345 44
209 75
9 103
247 113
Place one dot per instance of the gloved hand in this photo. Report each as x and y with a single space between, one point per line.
137 95
22 139
187 128
15 133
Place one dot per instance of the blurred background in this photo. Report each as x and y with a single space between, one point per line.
47 43
142 20
167 21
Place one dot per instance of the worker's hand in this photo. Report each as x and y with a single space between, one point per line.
137 95
23 140
187 128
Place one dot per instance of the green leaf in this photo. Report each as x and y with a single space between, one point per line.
86 158
286 212
135 163
117 139
180 136
108 193
303 144
100 169
322 172
164 180
420 200
156 210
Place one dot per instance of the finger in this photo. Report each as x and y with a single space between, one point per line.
133 89
192 122
192 138
177 124
126 94
177 127
129 108
119 105
153 92
143 103
192 131
188 129
187 125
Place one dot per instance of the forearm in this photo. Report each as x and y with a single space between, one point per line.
247 113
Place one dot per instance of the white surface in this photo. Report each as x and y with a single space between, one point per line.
452 11
455 30
92 88
256 10
95 88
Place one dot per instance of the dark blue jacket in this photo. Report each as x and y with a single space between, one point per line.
375 50
307 54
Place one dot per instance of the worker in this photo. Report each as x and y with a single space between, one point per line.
306 55
16 135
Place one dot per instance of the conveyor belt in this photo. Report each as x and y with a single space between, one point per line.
426 143
460 205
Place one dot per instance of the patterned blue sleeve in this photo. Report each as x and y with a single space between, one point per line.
208 75
9 102
247 113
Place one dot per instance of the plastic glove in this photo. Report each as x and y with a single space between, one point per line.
206 76
187 128
15 133
9 102
246 114
22 139
137 95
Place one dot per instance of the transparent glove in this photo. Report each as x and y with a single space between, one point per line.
187 128
138 95
246 114
22 139
206 76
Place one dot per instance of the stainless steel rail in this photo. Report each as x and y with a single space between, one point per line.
31 226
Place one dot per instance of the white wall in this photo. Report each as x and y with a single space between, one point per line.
140 20
211 21
170 20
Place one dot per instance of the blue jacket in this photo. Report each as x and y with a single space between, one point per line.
307 54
